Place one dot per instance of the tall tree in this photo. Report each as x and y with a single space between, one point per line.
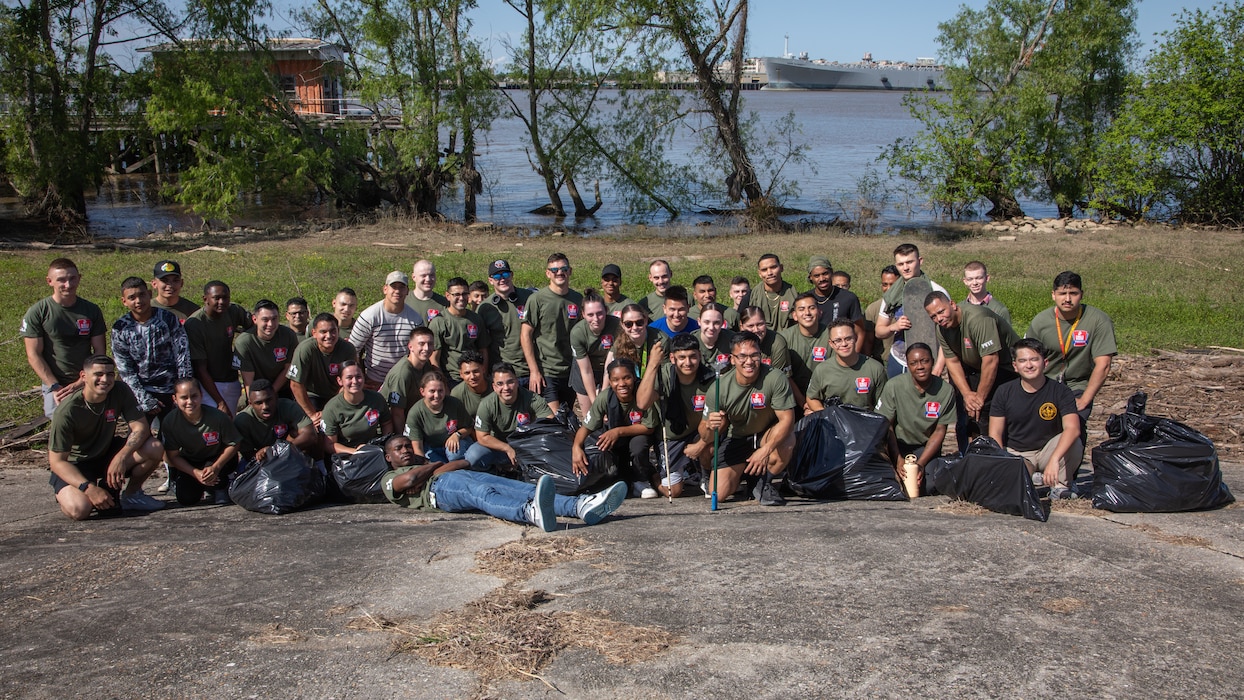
1033 84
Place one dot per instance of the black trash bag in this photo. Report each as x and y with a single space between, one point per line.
840 453
283 482
1155 465
546 447
358 476
990 477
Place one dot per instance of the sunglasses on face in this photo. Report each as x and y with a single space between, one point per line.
503 275
559 270
633 324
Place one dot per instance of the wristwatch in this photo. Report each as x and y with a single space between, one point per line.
84 486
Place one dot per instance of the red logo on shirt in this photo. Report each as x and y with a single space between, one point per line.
722 358
784 306
758 399
697 402
967 343
229 332
818 354
373 416
523 419
280 431
862 385
1079 339
522 312
635 417
572 310
110 416
433 313
767 362
333 369
211 437
932 409
606 341
280 354
84 326
472 330
451 426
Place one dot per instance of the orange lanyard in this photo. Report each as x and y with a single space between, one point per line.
1065 343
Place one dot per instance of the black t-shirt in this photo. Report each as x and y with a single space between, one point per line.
1032 419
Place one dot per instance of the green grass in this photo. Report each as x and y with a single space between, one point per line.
1163 289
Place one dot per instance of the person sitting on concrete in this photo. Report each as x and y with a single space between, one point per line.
448 487
621 428
439 426
355 416
919 407
200 447
678 389
753 410
90 465
269 419
1035 418
508 408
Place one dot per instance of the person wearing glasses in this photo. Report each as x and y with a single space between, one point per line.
637 339
852 377
551 314
753 409
503 314
457 330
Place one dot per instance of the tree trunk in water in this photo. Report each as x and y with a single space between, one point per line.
1004 206
580 209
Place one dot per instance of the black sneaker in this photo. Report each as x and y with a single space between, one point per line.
766 493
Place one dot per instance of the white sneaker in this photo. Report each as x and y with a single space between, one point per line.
637 488
708 493
649 493
168 479
593 507
540 511
140 501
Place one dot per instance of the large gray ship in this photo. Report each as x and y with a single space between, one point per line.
799 73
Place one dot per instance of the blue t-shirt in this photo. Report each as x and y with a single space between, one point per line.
662 324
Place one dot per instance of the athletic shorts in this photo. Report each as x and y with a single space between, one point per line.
95 470
557 389
737 450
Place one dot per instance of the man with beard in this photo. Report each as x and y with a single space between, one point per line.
834 302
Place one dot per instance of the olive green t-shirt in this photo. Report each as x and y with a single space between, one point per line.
499 420
470 400
719 353
597 415
776 307
504 320
430 429
66 334
615 309
429 309
183 309
417 501
595 347
256 433
200 443
654 304
914 413
774 352
85 430
211 340
268 359
1070 356
553 317
352 425
401 384
317 372
806 354
752 408
980 333
857 385
993 305
692 395
457 334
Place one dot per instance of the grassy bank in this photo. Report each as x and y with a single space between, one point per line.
1164 289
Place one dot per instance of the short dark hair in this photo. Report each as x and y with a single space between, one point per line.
62 264
182 381
133 283
556 257
470 357
842 321
684 341
419 330
907 249
503 368
918 346
297 301
703 279
841 273
214 283
99 359
321 318
457 282
936 295
478 286
769 256
676 292
1068 278
891 270
433 375
747 312
265 305
806 295
739 279
1031 343
257 386
346 290
624 363
743 337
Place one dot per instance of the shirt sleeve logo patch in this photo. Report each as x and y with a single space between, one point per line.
818 354
84 326
1079 339
395 398
758 399
372 416
863 384
237 362
451 426
280 354
932 409
211 437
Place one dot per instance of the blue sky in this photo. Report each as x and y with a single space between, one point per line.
843 31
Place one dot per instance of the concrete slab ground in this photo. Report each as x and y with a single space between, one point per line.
812 600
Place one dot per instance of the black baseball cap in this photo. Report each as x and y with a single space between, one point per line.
611 269
499 266
164 268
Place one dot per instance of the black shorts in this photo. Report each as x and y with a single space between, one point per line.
576 380
557 389
95 469
737 450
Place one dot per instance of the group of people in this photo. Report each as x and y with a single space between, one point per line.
675 386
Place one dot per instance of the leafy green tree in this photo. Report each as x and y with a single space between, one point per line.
1032 86
1177 148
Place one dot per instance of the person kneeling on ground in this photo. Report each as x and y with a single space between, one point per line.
754 409
448 487
1035 418
270 419
919 406
200 446
89 463
620 428
679 388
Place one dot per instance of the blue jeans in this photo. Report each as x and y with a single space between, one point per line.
474 453
466 491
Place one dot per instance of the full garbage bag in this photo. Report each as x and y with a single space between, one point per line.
358 475
545 447
1155 465
990 477
840 453
283 482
